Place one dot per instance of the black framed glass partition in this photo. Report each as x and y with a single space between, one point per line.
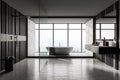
65 35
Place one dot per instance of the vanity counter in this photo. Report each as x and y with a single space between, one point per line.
102 49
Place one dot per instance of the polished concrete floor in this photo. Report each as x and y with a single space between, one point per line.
86 53
62 69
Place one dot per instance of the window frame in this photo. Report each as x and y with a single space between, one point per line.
100 30
53 24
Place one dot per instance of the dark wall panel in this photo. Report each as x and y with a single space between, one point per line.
119 24
0 15
13 26
17 51
3 27
13 20
3 54
10 21
17 26
0 33
7 19
14 50
0 57
7 52
22 50
10 48
22 25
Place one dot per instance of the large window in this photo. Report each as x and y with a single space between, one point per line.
46 39
60 35
46 36
75 37
83 37
43 37
63 35
36 41
75 40
105 30
98 36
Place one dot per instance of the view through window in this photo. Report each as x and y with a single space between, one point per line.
61 35
105 30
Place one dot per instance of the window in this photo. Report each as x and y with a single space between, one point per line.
60 34
75 40
71 35
45 36
97 34
83 37
75 37
60 38
75 26
60 26
108 34
46 39
97 26
107 26
46 26
36 41
97 31
105 30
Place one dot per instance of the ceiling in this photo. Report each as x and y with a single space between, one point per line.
60 7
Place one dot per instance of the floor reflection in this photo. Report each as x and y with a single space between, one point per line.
62 69
87 53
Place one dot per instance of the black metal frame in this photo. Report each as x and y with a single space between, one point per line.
62 17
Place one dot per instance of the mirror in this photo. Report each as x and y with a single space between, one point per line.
106 28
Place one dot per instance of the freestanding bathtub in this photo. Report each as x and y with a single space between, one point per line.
59 50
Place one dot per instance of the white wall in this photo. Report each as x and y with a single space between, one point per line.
89 32
89 35
31 37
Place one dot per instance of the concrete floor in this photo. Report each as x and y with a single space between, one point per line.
62 69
